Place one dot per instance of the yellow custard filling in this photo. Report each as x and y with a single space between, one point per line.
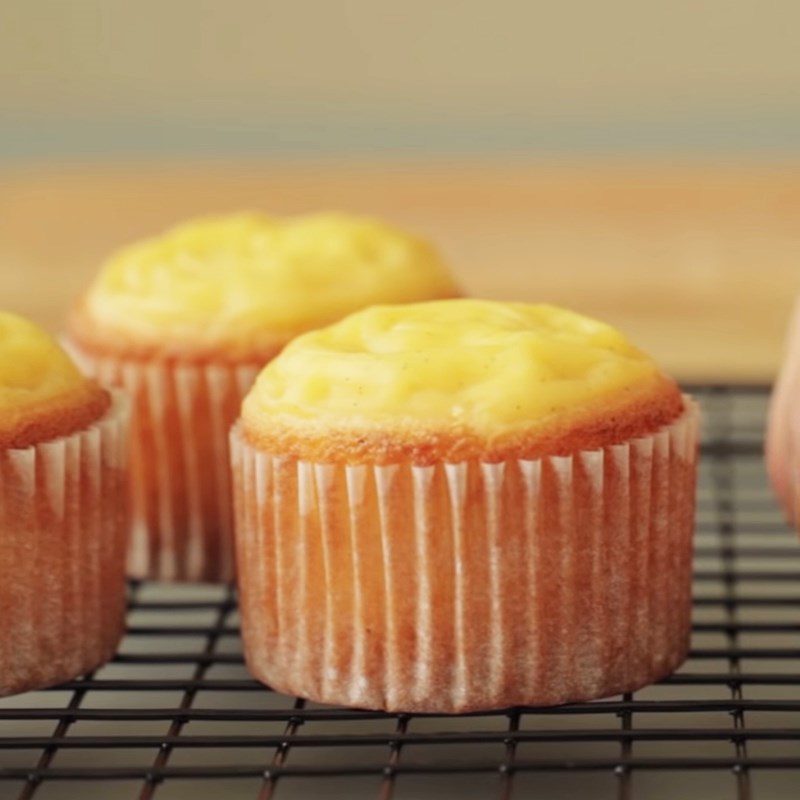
481 366
33 369
250 280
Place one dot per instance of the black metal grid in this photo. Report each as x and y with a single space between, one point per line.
175 714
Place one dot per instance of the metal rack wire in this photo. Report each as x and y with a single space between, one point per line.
175 714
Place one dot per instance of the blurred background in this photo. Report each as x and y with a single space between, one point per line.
637 161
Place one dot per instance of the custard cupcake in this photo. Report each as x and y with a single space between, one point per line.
464 505
62 513
783 427
184 322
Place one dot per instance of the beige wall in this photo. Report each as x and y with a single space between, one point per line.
493 74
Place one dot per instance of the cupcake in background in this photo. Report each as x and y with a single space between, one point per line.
63 526
783 427
184 322
462 505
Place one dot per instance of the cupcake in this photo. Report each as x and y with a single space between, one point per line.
463 505
783 427
62 513
185 321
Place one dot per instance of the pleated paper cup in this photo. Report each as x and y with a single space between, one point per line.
63 535
459 587
182 517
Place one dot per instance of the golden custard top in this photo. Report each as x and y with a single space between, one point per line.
33 368
249 282
473 367
42 393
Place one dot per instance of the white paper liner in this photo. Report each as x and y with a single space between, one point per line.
468 586
180 475
63 535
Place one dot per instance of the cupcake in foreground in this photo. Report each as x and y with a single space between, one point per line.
783 427
185 321
463 505
62 513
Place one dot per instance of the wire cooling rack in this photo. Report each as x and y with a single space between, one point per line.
175 715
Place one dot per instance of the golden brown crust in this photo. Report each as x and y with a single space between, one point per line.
61 416
322 444
99 342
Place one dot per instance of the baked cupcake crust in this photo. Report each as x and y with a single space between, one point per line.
101 341
319 443
455 380
42 393
58 417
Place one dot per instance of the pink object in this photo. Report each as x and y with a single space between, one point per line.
783 427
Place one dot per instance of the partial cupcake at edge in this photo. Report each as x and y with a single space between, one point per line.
783 426
63 525
461 505
185 321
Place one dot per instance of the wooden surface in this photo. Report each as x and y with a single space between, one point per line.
698 264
